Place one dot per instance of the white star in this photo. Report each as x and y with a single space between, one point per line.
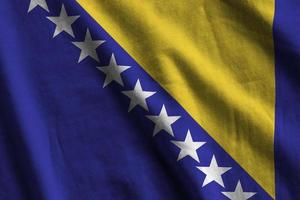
88 47
188 147
239 194
63 22
113 71
213 172
138 96
35 3
163 121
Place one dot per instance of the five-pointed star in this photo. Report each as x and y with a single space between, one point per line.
239 194
88 47
213 172
63 22
138 96
35 3
163 121
188 147
113 71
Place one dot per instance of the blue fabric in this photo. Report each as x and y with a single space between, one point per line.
62 136
287 134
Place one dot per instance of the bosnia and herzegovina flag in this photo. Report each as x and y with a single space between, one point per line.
149 99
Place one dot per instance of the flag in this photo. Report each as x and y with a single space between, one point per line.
149 99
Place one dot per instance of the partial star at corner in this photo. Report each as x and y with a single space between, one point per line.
88 47
35 3
239 194
163 121
113 71
63 22
213 172
138 96
188 147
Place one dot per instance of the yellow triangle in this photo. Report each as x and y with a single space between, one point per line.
215 58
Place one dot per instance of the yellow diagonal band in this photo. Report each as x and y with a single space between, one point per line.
215 58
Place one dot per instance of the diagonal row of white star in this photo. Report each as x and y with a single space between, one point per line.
138 97
64 23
